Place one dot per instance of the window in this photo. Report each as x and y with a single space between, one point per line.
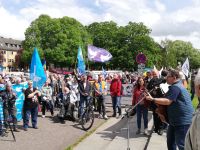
4 60
7 44
12 53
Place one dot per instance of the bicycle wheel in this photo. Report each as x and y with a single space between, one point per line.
87 119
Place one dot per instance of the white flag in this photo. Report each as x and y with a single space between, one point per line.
186 67
160 71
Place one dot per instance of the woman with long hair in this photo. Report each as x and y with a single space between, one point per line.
141 109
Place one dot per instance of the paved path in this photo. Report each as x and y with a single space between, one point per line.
112 136
51 135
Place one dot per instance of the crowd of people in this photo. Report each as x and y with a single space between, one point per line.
172 107
62 91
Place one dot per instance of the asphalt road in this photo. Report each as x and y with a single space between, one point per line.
51 135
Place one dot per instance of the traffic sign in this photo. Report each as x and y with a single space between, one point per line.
141 58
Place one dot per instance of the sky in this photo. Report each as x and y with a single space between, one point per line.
168 19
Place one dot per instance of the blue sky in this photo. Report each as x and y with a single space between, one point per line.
168 19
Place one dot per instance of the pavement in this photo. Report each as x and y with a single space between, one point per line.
113 135
53 135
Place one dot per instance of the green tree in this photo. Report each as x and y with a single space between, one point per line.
57 40
178 51
124 43
104 35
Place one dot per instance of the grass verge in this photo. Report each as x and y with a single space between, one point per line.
195 102
84 136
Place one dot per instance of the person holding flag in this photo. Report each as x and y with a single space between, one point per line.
31 106
32 94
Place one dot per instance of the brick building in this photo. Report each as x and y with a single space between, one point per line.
8 50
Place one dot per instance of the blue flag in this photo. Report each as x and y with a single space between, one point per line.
1 68
81 63
37 73
104 72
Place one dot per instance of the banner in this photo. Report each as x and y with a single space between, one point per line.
18 89
127 89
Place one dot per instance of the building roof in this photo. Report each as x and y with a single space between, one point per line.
10 44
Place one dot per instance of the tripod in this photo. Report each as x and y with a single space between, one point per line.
9 121
11 130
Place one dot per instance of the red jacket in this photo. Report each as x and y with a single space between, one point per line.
115 87
137 96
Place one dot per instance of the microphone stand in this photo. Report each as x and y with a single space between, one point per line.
128 114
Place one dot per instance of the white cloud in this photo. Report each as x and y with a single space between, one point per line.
160 6
182 23
12 26
97 3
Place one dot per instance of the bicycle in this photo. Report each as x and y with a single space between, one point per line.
87 118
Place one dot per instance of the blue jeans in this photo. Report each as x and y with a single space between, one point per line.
176 136
142 111
116 103
83 101
1 126
34 114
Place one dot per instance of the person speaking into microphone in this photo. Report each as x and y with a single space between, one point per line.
179 110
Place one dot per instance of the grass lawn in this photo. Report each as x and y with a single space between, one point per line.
195 102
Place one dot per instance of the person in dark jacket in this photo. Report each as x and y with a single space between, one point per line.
31 106
84 87
9 108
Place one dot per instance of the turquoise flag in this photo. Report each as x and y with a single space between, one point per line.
37 74
81 63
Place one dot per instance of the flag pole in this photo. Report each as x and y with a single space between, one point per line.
88 64
86 56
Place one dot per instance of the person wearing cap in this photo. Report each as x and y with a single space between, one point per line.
31 106
9 108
